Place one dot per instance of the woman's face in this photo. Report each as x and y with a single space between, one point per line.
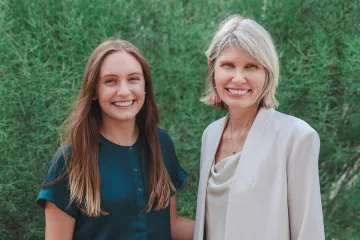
121 87
239 78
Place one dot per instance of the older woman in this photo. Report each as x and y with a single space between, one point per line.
259 168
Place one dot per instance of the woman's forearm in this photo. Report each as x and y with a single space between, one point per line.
183 229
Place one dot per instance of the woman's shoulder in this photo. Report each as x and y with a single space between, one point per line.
58 163
214 126
290 123
63 153
166 142
164 137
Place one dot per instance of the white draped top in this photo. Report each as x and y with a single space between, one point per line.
217 196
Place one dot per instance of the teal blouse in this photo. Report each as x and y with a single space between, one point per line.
124 192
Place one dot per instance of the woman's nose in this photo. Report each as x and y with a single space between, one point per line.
239 77
123 89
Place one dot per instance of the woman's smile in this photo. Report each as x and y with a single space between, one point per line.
121 87
237 92
124 104
238 78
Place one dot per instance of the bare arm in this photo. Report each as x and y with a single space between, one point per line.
181 228
59 225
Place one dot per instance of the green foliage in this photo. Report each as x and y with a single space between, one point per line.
44 47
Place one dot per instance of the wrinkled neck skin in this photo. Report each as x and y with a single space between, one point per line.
124 133
242 118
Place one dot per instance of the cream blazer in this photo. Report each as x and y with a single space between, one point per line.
275 192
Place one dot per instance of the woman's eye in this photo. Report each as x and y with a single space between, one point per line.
228 65
110 80
134 78
251 66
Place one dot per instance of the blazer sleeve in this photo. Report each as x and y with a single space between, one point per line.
304 199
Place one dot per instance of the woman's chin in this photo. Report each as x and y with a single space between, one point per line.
239 106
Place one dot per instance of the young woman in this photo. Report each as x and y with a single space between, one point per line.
259 168
116 174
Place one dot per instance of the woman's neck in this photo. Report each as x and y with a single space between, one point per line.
123 133
242 118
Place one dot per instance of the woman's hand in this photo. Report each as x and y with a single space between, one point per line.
181 228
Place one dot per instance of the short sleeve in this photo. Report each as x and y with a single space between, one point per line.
176 173
58 192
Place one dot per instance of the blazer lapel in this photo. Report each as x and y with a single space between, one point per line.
212 142
248 166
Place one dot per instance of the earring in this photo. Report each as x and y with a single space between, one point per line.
94 98
217 98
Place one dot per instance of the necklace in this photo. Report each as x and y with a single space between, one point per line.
232 143
242 137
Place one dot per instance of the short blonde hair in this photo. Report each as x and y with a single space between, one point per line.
252 38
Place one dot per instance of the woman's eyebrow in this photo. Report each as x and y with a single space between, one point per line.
225 61
135 73
108 75
115 75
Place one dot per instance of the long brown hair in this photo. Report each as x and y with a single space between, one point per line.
81 132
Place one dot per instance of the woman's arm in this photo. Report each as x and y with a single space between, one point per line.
304 199
181 228
59 225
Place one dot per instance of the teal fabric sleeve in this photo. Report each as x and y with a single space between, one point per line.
176 173
57 192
